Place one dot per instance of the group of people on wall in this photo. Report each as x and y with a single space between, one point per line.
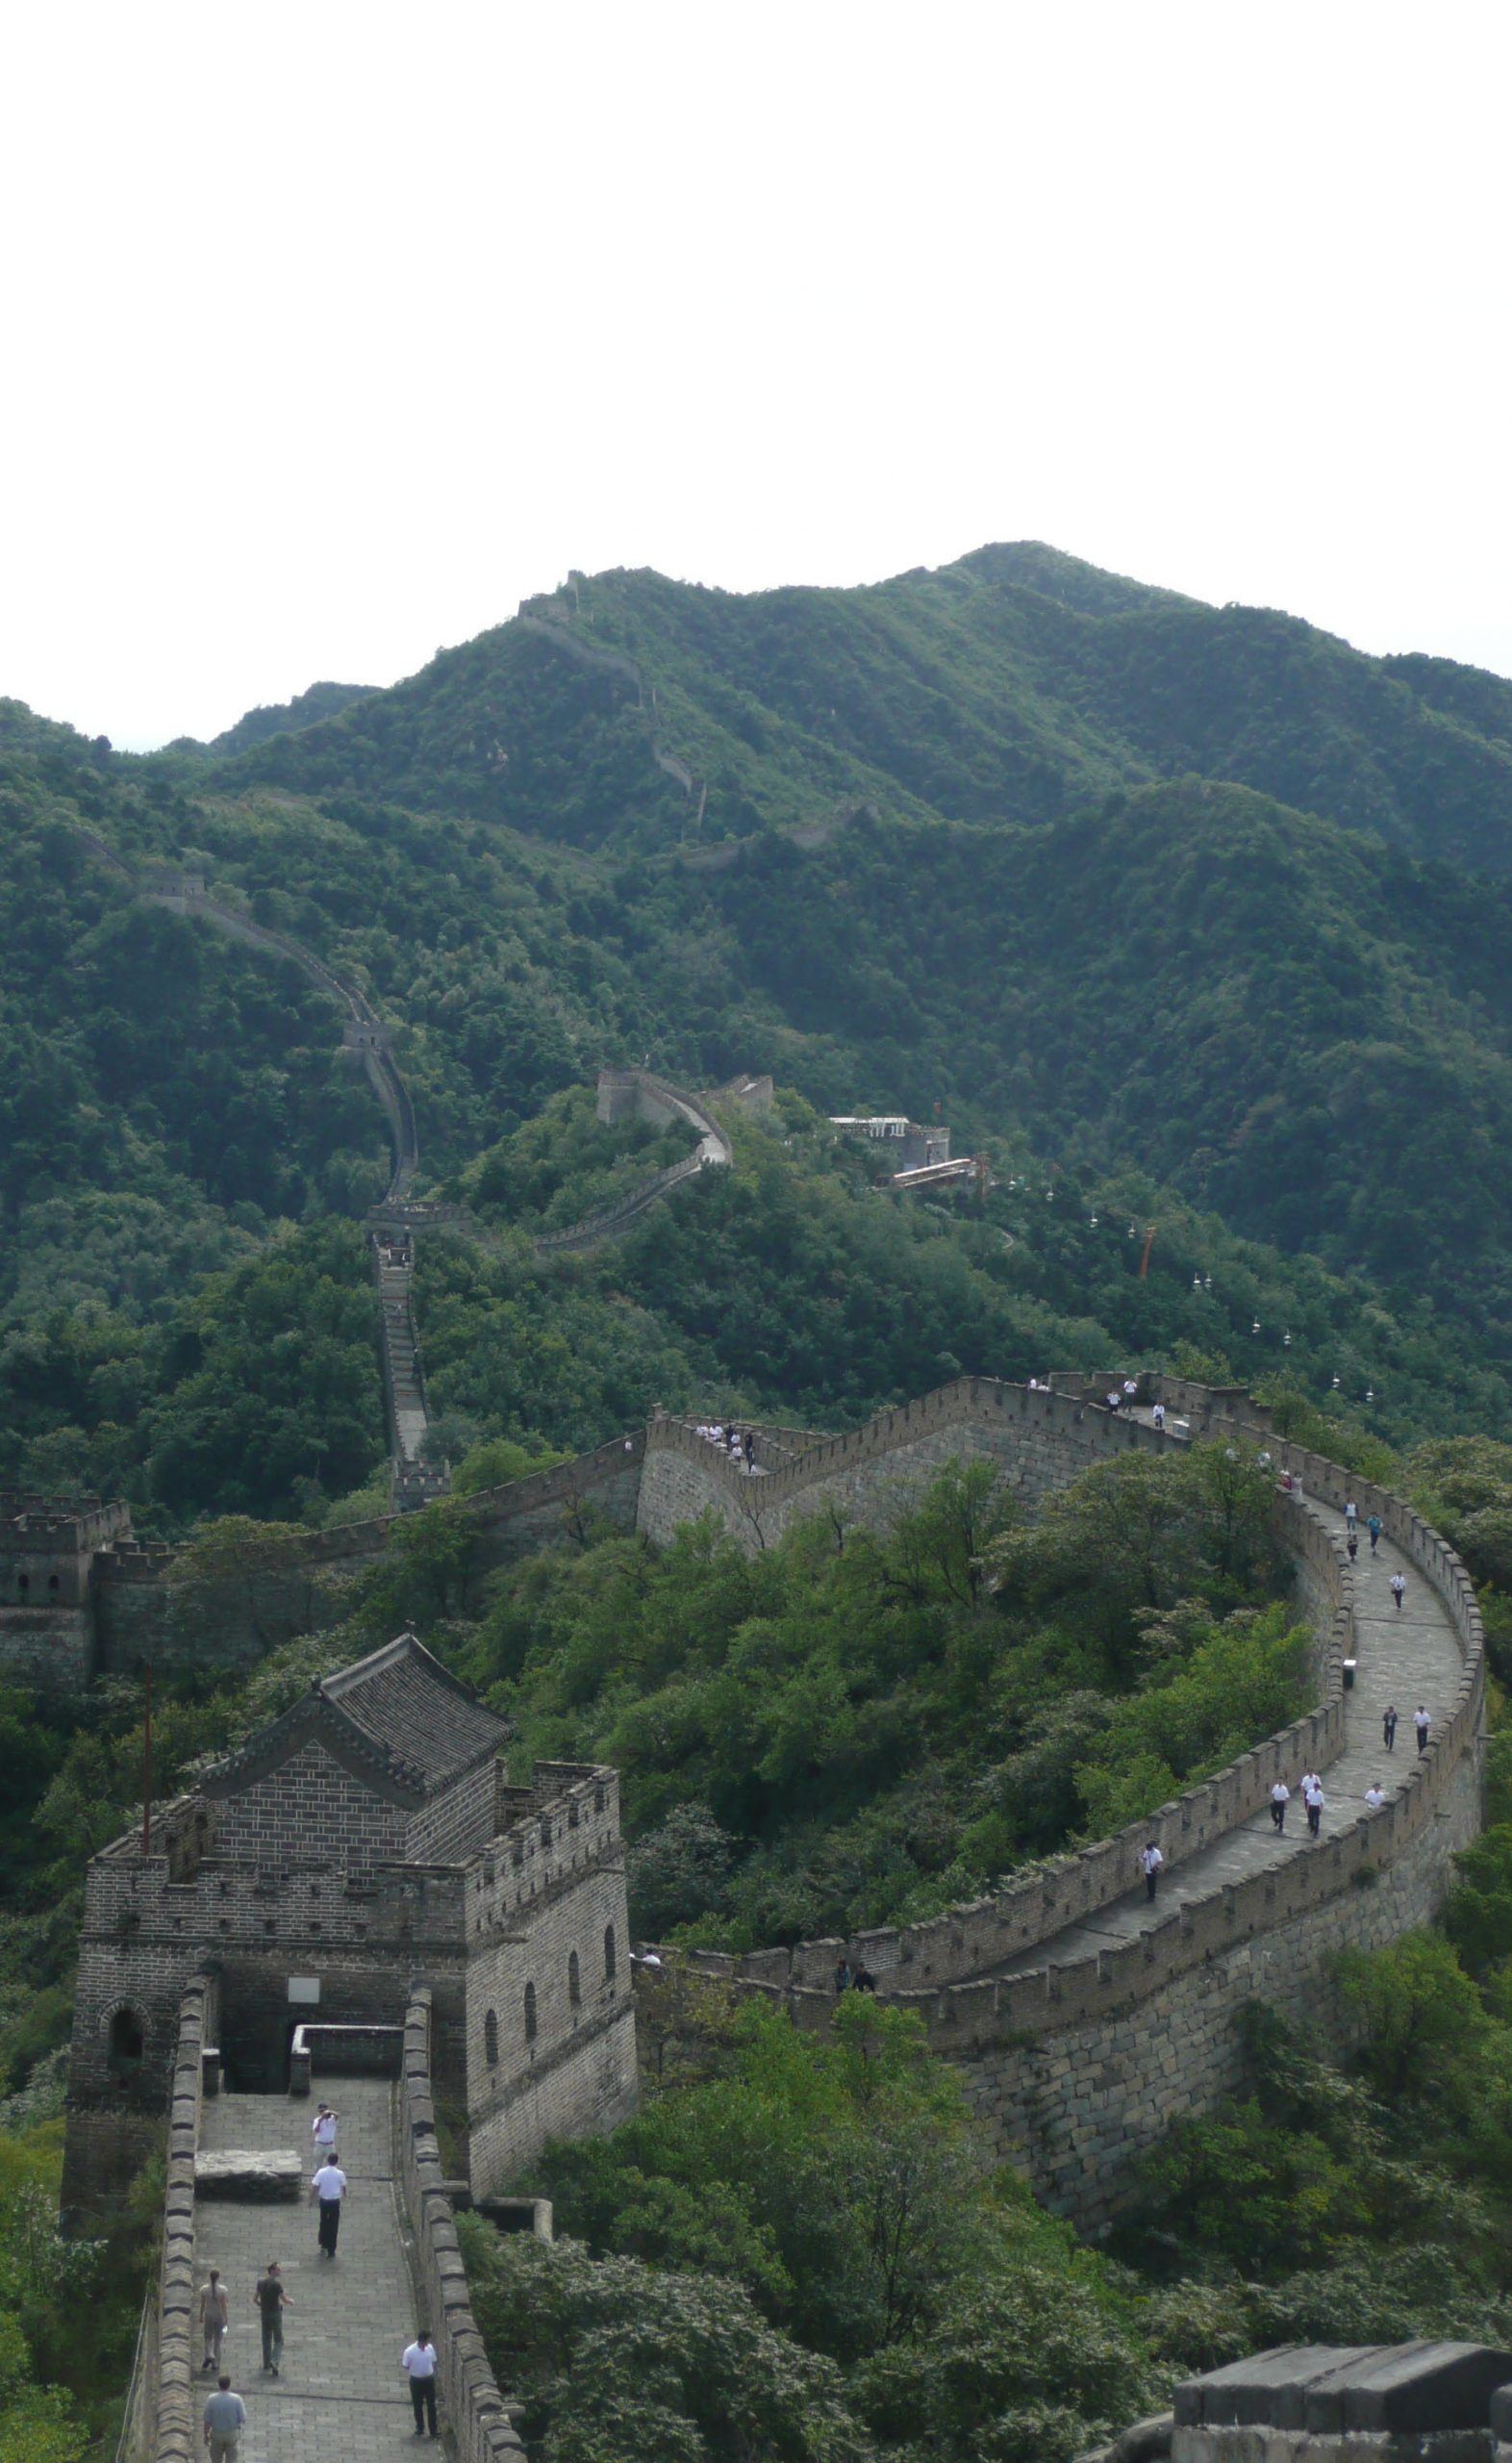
738 1444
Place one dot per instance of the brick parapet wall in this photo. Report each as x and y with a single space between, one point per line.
621 1092
31 1523
1069 1434
130 1900
177 2436
547 1907
476 2411
137 1612
965 2010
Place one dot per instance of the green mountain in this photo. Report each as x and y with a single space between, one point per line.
278 718
1004 688
906 846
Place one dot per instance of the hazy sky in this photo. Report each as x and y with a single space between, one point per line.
331 332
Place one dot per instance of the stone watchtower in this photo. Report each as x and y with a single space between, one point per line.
365 1841
48 1547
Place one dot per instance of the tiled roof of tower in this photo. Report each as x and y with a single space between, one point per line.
412 1709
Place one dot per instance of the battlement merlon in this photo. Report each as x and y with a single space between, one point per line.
560 1794
34 1525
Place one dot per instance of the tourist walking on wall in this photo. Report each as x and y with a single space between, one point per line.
1389 1727
1151 1860
1373 1527
420 2367
1313 1799
841 1976
225 2418
270 2300
1398 1588
1352 1546
1351 1515
1421 1722
1280 1798
214 2311
322 2129
1375 1796
328 2188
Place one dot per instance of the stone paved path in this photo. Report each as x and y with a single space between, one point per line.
340 2395
1405 1656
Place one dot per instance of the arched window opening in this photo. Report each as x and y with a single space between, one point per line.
23 1583
490 2040
574 1981
52 1581
546 1837
530 2014
123 2054
609 1954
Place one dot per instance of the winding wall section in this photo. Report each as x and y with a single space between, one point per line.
1083 2019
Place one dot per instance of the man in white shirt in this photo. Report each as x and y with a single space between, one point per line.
1313 1799
328 2188
1375 1796
1152 1861
1280 1798
420 2367
322 2129
1421 1723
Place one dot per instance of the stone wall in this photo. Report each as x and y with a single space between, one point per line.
140 1616
1069 2062
474 2407
1074 2108
546 1911
177 2395
305 1802
1042 1441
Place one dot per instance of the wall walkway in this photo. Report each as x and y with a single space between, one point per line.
1084 2019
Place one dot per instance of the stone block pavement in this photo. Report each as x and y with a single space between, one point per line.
1405 1656
341 2395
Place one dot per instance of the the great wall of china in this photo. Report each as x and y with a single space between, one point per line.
397 1216
1073 2062
1009 2032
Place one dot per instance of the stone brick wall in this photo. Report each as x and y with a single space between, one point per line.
137 1615
1042 1441
455 1825
308 1805
1073 2109
474 2407
550 1889
1067 2062
176 2407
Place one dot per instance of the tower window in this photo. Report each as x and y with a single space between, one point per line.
490 2041
124 2051
609 1954
530 2014
574 1981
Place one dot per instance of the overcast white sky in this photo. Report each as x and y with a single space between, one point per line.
332 331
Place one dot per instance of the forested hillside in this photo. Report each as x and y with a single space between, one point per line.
929 856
